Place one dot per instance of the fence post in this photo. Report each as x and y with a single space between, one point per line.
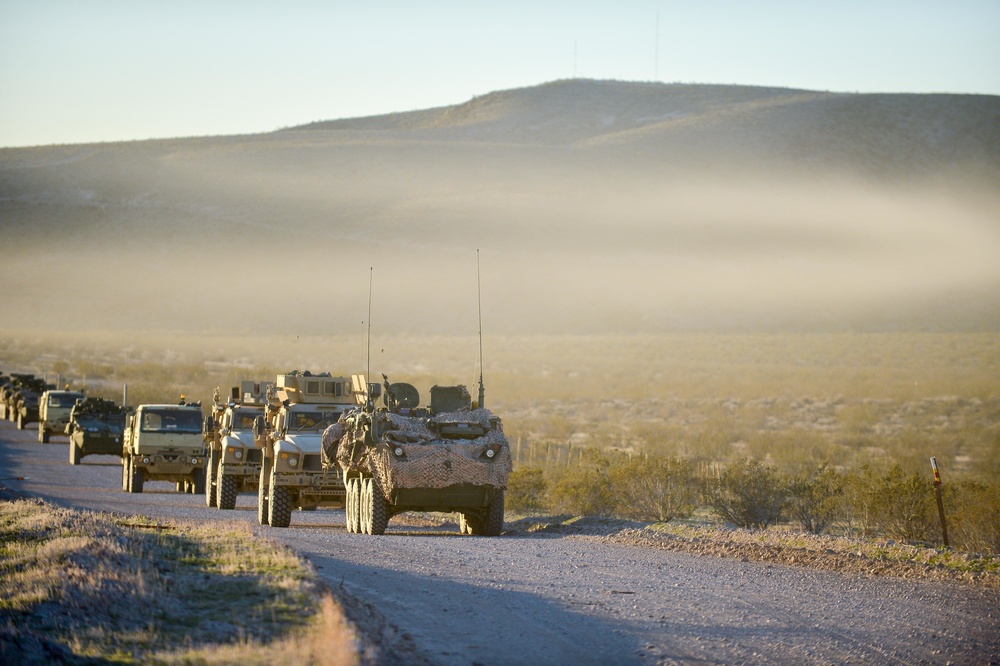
940 503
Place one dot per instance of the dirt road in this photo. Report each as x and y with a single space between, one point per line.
562 599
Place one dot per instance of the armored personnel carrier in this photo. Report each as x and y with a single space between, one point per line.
234 456
54 408
300 408
450 456
23 403
164 443
95 427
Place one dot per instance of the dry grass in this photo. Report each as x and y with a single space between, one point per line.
79 585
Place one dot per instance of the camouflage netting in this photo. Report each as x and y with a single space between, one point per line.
429 461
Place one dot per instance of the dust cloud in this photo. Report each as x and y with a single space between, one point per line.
281 234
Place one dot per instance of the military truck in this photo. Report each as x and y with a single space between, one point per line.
233 454
299 410
54 408
450 456
164 443
95 427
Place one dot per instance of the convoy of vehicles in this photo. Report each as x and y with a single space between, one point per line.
234 456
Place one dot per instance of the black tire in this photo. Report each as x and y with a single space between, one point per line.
493 522
262 492
137 477
227 491
373 507
280 509
197 484
210 480
74 453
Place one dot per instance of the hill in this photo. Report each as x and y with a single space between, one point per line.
598 207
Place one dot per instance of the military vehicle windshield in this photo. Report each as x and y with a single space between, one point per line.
319 419
63 399
171 420
94 422
243 418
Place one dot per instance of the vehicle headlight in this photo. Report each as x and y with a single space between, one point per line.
490 453
145 461
239 455
293 461
194 461
398 451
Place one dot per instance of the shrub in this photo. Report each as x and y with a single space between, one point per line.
973 513
584 490
893 503
816 498
655 488
749 493
526 490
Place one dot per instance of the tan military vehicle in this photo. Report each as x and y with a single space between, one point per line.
450 456
164 443
233 455
299 410
54 408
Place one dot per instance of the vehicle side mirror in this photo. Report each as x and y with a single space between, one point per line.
374 391
209 424
259 427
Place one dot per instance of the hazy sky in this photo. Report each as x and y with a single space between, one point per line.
74 71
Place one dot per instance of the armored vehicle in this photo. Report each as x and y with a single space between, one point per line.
8 388
450 456
300 408
54 408
95 427
25 401
233 455
164 443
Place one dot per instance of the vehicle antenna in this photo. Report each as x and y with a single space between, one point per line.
368 346
479 290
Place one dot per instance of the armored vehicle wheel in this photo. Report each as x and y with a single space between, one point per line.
136 478
373 507
280 509
262 491
493 523
227 491
74 453
43 434
488 524
210 480
198 483
351 503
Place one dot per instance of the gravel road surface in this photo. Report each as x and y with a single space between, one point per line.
442 598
